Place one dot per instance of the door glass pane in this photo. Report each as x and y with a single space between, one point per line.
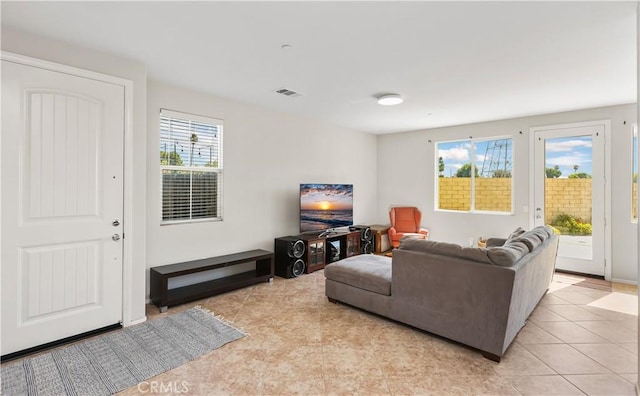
568 194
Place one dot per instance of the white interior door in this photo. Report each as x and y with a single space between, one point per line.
569 189
62 205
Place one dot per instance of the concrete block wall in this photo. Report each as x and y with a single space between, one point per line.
454 193
490 194
567 196
493 194
563 196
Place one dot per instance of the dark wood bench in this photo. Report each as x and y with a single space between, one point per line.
164 297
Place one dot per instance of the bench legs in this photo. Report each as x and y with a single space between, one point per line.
163 309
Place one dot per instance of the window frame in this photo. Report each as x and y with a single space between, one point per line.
219 170
472 178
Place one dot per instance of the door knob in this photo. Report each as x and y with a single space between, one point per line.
116 223
115 237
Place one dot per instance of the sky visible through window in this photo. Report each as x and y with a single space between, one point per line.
490 155
569 152
565 153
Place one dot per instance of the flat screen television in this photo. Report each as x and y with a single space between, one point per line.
325 206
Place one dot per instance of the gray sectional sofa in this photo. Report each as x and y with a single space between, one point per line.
480 297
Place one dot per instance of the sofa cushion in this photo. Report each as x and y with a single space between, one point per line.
508 254
493 242
366 271
530 239
516 233
446 249
534 237
543 232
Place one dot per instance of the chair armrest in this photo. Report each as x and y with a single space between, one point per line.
392 231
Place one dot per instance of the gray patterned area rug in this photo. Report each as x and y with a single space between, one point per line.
115 361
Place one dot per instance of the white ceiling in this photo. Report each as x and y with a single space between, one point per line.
453 62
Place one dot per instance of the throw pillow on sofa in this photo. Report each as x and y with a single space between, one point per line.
495 241
516 233
535 237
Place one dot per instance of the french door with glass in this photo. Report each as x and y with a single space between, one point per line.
569 193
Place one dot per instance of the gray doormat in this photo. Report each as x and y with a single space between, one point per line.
118 360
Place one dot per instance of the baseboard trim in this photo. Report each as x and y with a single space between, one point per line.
624 281
137 321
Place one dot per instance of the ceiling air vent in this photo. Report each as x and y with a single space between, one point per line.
288 92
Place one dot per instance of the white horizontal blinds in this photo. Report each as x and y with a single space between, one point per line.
191 164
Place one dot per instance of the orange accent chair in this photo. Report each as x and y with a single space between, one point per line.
405 221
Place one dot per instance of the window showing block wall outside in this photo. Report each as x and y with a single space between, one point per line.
475 175
191 167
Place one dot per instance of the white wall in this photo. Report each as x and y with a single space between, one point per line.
406 176
266 156
55 51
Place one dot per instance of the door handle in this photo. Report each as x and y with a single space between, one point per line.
538 213
115 237
115 223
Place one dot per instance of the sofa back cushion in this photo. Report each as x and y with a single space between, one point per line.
445 249
535 237
517 246
516 233
508 254
530 240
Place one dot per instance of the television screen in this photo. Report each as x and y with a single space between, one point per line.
325 206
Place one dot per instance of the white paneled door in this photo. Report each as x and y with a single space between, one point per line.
62 205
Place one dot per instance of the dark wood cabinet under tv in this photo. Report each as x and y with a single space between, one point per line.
323 250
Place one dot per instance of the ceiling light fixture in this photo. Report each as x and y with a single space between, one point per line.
389 99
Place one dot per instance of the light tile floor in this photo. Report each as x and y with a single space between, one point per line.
578 341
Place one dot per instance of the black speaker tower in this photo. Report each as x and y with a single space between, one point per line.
366 238
290 257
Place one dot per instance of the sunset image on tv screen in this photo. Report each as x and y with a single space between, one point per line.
324 206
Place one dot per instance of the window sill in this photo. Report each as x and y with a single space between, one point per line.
481 212
190 221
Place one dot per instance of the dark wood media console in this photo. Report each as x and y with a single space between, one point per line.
319 250
164 297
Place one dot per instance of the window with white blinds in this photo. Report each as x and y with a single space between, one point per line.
191 167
